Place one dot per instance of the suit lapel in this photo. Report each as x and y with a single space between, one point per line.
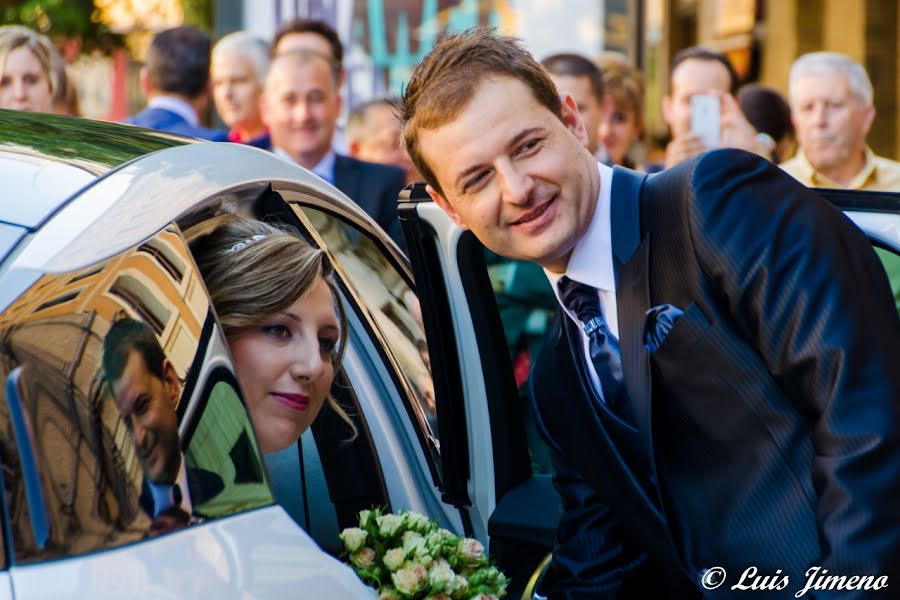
631 256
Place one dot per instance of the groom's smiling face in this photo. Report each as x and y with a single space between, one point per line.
514 173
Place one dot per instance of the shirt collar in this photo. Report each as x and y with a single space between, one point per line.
177 106
817 179
591 262
324 168
162 492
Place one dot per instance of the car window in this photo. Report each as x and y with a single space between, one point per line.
99 445
391 308
891 261
527 305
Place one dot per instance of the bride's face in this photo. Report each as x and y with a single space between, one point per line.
285 366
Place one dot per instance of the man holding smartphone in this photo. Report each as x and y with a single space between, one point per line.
700 81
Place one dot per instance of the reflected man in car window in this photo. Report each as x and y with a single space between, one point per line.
146 390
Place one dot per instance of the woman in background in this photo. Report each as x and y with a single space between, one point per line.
30 78
623 111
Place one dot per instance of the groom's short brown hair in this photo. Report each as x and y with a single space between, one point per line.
445 81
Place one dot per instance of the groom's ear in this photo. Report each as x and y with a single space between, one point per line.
445 206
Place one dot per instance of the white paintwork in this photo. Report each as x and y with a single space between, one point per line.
131 204
884 227
261 554
481 451
34 186
5 586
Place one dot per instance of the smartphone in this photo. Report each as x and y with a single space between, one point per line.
705 118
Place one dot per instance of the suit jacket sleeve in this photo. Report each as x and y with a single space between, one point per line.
804 286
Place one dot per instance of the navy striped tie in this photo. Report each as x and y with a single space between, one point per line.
583 300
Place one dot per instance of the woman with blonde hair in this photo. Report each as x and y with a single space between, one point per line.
279 306
30 75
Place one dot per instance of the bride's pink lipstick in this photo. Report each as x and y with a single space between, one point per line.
295 401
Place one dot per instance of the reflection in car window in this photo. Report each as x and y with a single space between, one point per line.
527 305
223 444
891 262
92 461
393 309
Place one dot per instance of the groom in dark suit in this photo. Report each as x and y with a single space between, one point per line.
721 391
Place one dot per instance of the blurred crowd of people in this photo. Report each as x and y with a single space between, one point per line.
284 96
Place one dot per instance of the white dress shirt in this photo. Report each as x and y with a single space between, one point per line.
591 263
324 168
162 493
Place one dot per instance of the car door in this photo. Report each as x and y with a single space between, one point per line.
876 213
501 472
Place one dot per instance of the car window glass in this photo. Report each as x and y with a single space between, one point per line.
99 446
891 262
527 305
392 308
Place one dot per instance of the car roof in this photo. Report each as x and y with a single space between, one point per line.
45 159
92 189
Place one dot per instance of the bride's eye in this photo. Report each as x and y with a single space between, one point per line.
277 330
328 345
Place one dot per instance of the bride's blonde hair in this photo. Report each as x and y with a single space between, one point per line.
253 269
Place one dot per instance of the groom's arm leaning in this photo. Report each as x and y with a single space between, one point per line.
805 288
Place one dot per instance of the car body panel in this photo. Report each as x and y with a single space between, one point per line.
259 554
6 592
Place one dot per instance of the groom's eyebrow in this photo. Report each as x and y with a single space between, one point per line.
458 184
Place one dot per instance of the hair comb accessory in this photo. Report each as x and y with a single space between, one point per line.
244 243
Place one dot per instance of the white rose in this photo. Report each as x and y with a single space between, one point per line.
416 521
440 575
393 558
470 550
388 525
388 593
485 597
354 538
410 580
436 539
413 542
457 584
364 517
363 558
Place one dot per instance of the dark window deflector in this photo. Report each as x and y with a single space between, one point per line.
442 347
40 525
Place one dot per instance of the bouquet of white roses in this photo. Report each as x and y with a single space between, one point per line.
407 556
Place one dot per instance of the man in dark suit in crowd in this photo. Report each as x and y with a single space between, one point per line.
175 79
300 106
146 391
721 390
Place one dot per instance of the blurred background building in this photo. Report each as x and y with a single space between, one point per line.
104 40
